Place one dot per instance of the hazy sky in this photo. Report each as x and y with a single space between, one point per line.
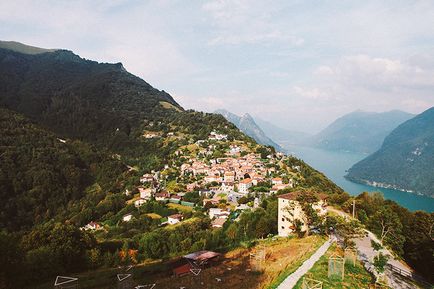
299 64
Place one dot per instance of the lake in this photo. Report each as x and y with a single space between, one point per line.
334 165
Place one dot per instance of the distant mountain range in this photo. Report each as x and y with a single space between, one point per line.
359 131
405 161
281 135
247 124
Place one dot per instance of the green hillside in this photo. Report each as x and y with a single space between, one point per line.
359 131
406 159
43 177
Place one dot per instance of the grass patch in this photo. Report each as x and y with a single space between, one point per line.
154 216
168 105
292 267
180 207
354 277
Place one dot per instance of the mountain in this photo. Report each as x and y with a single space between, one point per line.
247 124
359 131
69 125
43 177
405 160
281 135
99 103
22 48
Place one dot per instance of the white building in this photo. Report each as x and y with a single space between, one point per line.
92 226
227 186
174 219
146 178
277 181
139 202
217 136
218 213
290 210
127 217
244 185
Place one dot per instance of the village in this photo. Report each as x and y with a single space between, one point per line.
220 187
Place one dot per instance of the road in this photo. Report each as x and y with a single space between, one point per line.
367 253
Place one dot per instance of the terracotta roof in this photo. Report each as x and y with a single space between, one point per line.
201 255
294 195
246 181
175 216
163 194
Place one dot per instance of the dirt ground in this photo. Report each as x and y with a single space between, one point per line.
239 269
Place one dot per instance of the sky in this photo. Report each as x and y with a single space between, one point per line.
299 64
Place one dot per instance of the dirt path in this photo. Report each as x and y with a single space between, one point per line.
292 279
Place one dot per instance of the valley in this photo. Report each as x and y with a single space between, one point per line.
102 173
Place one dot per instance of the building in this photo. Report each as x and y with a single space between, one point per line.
139 202
191 187
218 222
290 210
92 226
244 185
217 136
277 188
227 186
174 219
277 181
145 193
212 178
146 178
218 213
229 177
127 217
163 196
175 198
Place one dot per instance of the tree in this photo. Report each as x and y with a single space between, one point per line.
11 262
380 261
231 231
419 243
387 226
94 258
263 227
309 217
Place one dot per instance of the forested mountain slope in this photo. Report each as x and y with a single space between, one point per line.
43 177
359 131
100 103
405 160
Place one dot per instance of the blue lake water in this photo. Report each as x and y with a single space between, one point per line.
334 165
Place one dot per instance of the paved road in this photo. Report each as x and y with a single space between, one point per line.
292 279
367 253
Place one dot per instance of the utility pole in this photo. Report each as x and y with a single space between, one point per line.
354 207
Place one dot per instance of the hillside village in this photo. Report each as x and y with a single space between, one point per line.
224 177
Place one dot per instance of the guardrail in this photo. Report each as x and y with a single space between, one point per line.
410 275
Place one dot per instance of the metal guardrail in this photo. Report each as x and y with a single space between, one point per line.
410 275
